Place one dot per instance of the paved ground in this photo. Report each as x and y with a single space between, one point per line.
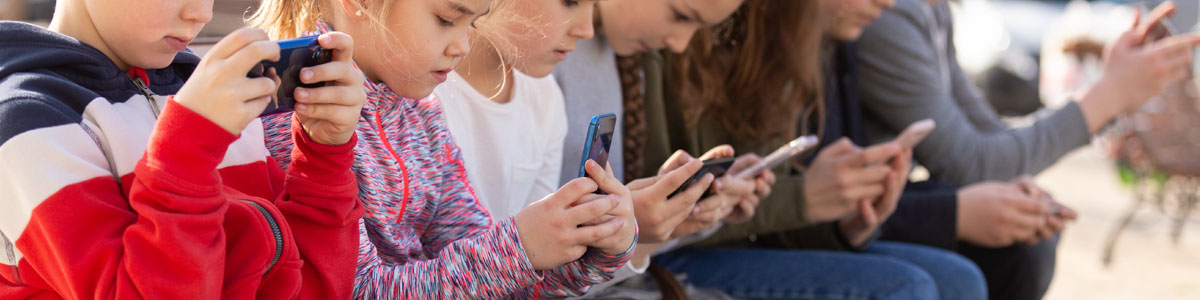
1146 264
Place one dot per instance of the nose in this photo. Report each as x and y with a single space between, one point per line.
582 27
459 47
198 11
678 42
887 3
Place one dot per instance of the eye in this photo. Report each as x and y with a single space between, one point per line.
680 17
445 22
571 3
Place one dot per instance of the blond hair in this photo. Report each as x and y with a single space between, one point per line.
285 19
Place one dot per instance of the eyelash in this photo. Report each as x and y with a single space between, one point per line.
571 3
444 22
679 17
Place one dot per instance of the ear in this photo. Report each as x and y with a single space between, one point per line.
355 10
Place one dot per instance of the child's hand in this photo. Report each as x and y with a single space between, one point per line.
842 175
330 113
858 228
219 90
657 216
623 213
550 228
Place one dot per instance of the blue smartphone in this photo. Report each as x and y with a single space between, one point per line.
599 138
295 54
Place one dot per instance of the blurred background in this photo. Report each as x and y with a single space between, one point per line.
1135 189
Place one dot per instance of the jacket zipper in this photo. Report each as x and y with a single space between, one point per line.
274 230
149 95
387 144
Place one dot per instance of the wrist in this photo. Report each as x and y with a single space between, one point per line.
1101 103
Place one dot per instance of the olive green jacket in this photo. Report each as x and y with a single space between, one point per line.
780 220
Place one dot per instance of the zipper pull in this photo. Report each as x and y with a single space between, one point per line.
149 95
141 80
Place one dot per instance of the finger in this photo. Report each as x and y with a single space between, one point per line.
871 191
867 210
1066 213
762 189
594 233
235 41
341 73
677 159
871 175
598 221
249 56
1160 12
721 151
738 188
670 181
1026 183
874 154
743 162
1054 224
254 88
604 178
842 147
641 183
341 44
1026 205
330 95
571 192
690 196
591 210
709 204
1178 45
769 177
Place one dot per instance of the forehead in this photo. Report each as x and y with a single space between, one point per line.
468 6
710 11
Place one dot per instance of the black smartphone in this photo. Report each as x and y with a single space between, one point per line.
717 166
599 138
295 54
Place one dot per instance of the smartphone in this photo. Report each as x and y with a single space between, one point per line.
784 153
295 54
599 138
916 132
717 166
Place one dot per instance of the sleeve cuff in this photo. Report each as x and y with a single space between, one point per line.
187 146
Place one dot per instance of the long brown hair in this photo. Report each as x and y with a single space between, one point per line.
760 70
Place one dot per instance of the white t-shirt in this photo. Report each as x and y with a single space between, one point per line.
512 151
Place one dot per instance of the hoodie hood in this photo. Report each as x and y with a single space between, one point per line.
33 57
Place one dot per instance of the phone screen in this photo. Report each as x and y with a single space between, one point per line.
295 54
599 139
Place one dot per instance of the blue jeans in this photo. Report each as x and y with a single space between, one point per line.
814 274
956 276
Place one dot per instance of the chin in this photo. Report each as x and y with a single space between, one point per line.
415 90
157 61
539 72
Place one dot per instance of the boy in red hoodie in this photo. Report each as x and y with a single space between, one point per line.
108 190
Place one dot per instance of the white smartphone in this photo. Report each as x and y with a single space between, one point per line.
785 153
916 132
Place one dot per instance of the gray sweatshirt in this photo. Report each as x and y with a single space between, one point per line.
909 72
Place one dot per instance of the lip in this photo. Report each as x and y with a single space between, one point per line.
644 46
440 75
561 55
177 43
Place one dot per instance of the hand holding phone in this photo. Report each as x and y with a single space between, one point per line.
717 166
218 88
294 55
784 153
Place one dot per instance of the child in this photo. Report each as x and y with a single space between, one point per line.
424 234
503 107
113 191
